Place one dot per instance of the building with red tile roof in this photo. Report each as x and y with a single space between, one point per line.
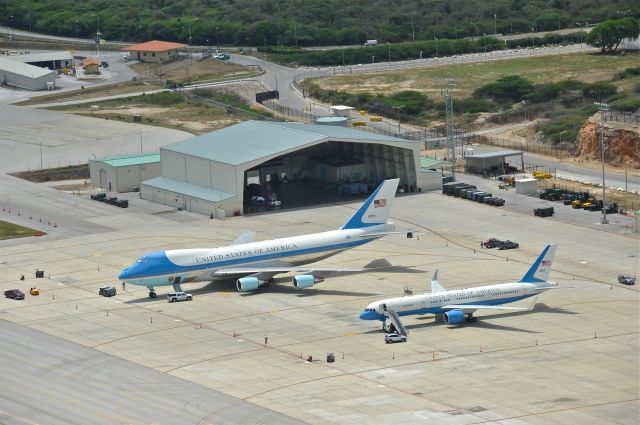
155 51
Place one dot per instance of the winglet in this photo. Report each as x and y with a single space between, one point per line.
435 286
376 209
539 271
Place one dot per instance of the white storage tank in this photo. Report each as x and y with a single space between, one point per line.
339 121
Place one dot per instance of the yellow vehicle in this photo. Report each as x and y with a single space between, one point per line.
576 204
34 291
358 123
375 119
363 112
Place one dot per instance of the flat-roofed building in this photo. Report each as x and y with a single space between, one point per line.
155 51
124 173
25 76
51 60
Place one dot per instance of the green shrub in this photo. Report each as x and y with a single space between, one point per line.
507 89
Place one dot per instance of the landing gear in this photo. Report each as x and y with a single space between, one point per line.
384 326
152 293
471 319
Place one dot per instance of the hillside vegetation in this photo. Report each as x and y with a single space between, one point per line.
303 22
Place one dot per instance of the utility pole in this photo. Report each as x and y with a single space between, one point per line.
141 141
413 32
41 166
495 30
603 107
448 101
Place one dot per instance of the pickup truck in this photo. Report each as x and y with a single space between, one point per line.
178 296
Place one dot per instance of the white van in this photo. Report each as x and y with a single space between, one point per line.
371 43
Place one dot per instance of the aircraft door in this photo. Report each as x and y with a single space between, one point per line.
384 307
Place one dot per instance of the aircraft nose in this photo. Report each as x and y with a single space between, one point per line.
366 315
123 274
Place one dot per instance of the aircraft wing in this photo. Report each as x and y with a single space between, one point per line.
247 237
470 308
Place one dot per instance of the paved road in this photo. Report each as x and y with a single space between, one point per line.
48 380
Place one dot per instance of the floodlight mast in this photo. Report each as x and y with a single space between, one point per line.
448 101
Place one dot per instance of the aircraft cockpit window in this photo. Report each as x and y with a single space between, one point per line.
141 260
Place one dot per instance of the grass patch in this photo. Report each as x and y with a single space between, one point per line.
583 67
13 231
92 92
71 172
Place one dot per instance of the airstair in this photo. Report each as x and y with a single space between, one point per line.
396 321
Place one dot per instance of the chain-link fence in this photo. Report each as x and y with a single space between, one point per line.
622 116
625 202
513 145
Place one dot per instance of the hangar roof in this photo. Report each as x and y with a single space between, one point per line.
188 189
23 69
251 140
42 56
496 154
123 161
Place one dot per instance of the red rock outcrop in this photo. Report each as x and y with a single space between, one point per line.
621 141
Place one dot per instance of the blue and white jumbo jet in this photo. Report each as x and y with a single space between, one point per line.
457 306
255 263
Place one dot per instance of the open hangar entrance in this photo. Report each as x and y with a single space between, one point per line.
327 172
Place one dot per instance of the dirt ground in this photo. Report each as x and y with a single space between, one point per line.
195 71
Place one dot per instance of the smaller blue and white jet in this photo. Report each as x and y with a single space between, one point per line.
457 306
255 263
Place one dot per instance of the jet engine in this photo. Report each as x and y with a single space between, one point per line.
454 317
305 280
248 284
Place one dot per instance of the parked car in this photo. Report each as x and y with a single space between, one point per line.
179 296
222 56
626 280
15 294
492 243
508 245
107 291
394 337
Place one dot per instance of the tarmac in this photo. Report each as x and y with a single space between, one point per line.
574 359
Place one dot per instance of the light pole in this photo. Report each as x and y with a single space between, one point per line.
397 108
602 107
448 101
484 38
524 102
77 36
436 39
373 58
389 51
495 28
193 20
413 32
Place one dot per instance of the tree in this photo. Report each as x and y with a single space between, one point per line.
609 34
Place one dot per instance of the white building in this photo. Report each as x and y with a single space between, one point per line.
25 76
222 169
123 173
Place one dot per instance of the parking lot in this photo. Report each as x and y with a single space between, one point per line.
574 359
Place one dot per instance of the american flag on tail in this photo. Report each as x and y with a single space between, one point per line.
379 203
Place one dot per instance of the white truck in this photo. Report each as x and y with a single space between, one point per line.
370 43
173 297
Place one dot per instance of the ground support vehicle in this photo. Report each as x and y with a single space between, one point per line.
626 280
508 245
394 337
173 297
107 291
14 294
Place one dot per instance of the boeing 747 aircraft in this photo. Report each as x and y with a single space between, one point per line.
255 263
456 306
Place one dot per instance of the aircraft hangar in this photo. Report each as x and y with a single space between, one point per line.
300 164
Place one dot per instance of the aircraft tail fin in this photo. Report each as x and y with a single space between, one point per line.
539 271
376 209
435 285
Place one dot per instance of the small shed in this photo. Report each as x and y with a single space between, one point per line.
526 186
341 110
91 66
124 173
491 163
